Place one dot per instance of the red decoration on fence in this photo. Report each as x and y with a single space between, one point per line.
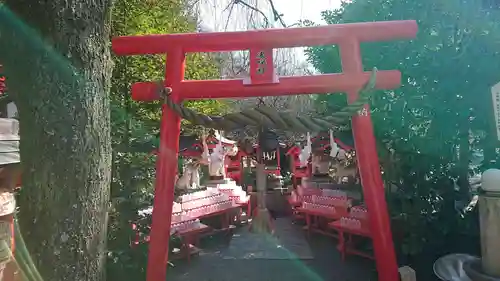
3 87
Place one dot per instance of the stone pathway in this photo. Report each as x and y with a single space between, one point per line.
246 256
287 244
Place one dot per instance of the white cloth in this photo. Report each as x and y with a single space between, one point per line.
305 153
333 145
216 162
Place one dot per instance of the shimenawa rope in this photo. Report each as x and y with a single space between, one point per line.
267 117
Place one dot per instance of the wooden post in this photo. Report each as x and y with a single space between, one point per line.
261 220
261 185
369 170
489 219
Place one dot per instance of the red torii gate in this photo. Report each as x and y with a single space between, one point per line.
264 83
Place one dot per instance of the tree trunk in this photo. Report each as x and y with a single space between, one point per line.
61 82
464 158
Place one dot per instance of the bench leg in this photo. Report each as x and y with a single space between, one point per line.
342 245
185 250
249 209
308 223
188 251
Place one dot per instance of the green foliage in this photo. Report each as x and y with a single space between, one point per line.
136 123
135 17
428 128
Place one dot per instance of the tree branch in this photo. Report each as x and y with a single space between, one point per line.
266 19
231 7
277 15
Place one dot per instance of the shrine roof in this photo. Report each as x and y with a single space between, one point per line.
344 140
221 138
281 144
293 150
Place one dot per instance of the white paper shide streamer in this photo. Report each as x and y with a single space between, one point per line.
333 145
305 152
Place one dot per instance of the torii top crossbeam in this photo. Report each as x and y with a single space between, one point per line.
264 82
266 39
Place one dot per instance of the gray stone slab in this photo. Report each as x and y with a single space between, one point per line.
326 265
288 243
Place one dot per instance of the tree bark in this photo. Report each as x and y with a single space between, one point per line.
57 62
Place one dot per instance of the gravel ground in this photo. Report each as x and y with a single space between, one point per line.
321 262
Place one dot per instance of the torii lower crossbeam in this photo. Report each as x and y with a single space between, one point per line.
263 83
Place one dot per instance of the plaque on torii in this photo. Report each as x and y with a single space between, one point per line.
261 68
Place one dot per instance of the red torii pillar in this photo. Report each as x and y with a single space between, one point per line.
264 83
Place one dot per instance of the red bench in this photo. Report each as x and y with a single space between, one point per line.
190 238
313 218
355 224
